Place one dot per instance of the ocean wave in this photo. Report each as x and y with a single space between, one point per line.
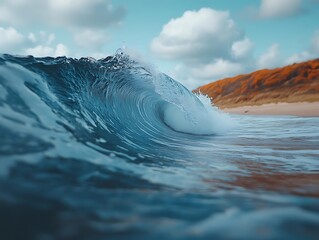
112 148
118 98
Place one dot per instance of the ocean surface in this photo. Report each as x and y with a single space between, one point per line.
113 149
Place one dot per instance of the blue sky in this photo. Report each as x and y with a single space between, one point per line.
194 41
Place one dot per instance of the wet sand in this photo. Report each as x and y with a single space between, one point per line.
306 109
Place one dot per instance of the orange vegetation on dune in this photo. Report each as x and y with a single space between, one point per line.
295 83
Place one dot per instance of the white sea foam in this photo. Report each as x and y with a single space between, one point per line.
197 115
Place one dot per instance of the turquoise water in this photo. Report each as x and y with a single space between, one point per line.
113 149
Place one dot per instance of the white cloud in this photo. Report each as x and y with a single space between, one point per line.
10 40
279 8
32 37
51 38
81 18
86 13
298 57
14 42
193 76
39 51
16 12
315 42
242 49
61 50
311 52
270 58
89 38
207 44
217 69
75 14
44 51
197 36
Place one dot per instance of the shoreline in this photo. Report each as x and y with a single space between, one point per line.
302 109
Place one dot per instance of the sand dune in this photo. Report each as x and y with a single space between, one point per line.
292 84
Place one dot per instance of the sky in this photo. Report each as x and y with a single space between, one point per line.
193 41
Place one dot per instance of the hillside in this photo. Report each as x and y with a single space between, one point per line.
294 83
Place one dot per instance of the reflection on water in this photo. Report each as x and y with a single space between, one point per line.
241 181
263 177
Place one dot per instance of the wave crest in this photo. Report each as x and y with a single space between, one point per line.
125 101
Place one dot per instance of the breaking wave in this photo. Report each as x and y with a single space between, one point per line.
123 101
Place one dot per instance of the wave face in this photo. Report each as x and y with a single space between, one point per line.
129 103
111 147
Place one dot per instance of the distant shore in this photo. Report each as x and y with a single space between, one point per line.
306 109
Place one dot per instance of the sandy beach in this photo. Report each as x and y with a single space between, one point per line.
306 109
